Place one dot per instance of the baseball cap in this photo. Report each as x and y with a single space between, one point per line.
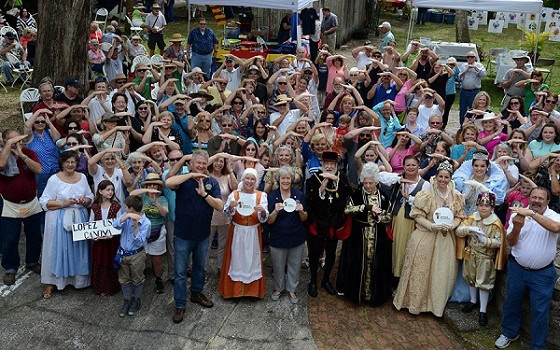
385 25
72 82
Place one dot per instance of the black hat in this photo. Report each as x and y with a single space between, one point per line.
330 156
10 35
72 82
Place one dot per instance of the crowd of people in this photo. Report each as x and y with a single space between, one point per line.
290 158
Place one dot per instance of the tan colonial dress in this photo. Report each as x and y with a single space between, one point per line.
430 265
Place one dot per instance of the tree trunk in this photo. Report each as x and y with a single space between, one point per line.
62 40
462 27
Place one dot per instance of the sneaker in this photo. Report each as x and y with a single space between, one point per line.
134 307
159 286
201 299
503 342
178 315
9 278
124 308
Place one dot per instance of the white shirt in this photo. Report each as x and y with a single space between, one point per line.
96 108
290 118
233 77
536 246
362 60
424 114
131 105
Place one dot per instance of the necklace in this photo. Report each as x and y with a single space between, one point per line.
440 195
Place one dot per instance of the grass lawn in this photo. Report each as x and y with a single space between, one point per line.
509 39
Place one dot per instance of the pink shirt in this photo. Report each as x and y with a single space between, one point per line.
333 73
511 199
400 99
490 145
398 158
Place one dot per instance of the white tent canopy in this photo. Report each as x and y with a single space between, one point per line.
294 5
524 6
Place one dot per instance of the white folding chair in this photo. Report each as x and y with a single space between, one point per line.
140 59
134 30
157 60
31 96
21 72
6 29
105 47
101 17
262 43
155 91
2 72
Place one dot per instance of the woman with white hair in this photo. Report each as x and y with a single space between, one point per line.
364 274
242 271
287 233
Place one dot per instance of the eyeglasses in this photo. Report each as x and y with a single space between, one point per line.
515 103
174 159
143 108
237 102
353 75
71 144
227 125
377 56
282 83
40 122
550 101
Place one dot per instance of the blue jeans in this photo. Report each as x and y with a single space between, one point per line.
183 250
540 285
169 12
466 99
204 62
42 180
7 68
11 228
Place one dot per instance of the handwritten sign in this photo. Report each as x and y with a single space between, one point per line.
94 229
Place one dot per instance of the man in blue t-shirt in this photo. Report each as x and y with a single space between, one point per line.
385 89
197 196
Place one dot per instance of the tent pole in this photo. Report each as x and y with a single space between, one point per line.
537 32
410 24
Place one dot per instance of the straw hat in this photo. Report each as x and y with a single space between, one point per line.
152 178
202 93
282 99
486 117
119 76
177 37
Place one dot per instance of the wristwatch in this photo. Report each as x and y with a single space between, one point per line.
534 213
207 194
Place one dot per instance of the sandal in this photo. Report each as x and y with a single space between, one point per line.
48 292
275 295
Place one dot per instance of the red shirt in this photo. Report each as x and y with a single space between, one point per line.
22 187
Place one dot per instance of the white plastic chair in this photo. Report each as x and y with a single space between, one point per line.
6 29
101 17
19 72
30 95
157 60
155 91
59 89
2 72
140 59
134 30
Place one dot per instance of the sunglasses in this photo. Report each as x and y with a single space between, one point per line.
121 82
169 68
353 75
515 103
143 108
282 83
174 159
435 123
227 125
73 128
471 56
550 101
261 112
71 144
40 122
237 103
377 56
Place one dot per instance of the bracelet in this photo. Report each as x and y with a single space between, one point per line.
207 194
237 139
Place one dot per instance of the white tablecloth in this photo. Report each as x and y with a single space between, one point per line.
504 62
458 50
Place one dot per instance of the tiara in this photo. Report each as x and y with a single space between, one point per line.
486 198
445 165
480 156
